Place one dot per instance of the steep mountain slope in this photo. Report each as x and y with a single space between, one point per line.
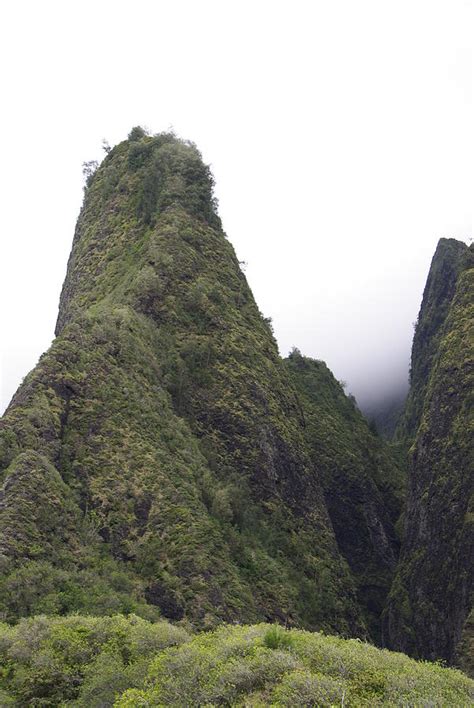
431 594
157 450
447 262
363 486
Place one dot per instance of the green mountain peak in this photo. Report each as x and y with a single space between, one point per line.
163 461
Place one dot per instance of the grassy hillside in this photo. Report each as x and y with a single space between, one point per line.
128 662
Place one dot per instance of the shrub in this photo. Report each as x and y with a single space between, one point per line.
236 666
277 638
89 660
137 133
302 688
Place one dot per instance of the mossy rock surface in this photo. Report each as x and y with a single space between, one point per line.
431 596
363 483
165 409
163 460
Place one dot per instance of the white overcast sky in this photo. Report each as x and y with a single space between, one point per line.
339 133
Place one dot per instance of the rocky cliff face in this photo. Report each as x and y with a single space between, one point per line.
363 485
163 426
432 592
447 262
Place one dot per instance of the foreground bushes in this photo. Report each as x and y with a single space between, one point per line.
76 660
262 665
128 662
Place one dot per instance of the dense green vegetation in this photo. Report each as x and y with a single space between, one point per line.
99 662
363 485
431 596
448 261
80 661
168 423
163 461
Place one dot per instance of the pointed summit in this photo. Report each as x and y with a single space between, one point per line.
166 418
431 596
